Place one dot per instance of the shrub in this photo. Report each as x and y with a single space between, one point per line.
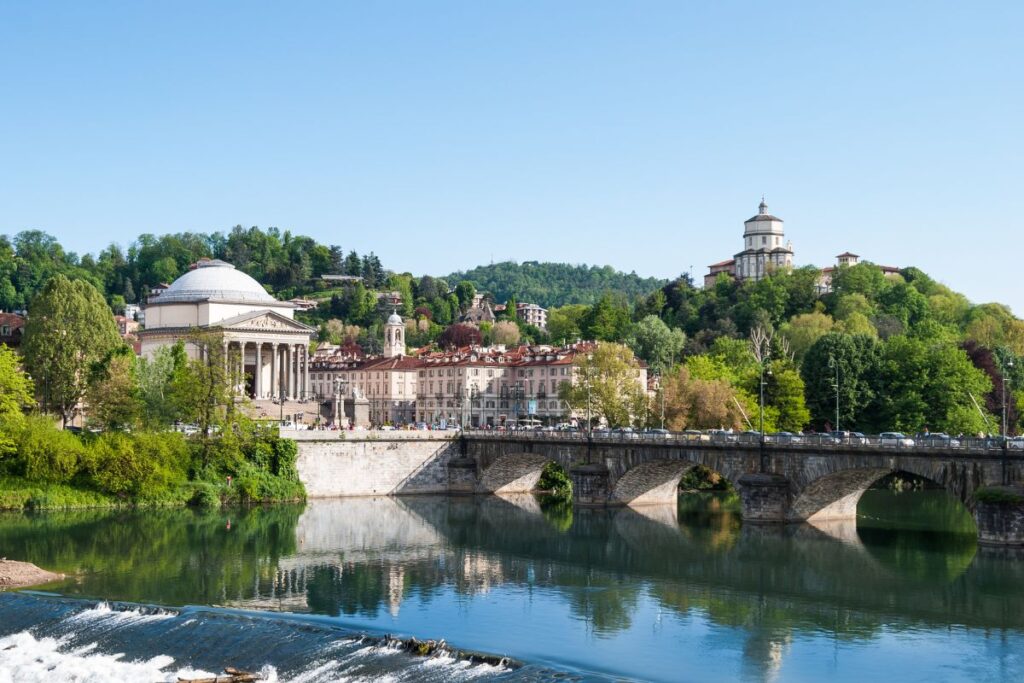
555 480
46 453
995 495
205 496
145 465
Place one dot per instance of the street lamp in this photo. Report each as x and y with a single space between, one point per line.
835 366
1009 366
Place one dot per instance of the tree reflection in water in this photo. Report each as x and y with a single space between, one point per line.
367 557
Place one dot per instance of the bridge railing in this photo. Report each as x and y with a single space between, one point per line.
928 444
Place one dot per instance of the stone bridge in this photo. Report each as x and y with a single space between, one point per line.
776 482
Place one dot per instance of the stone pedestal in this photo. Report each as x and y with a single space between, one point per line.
764 497
999 516
357 410
590 484
462 475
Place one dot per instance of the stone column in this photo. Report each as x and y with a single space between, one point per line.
275 372
289 377
257 382
999 515
307 389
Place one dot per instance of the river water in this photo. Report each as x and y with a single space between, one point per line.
685 593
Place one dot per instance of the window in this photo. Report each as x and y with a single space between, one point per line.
764 240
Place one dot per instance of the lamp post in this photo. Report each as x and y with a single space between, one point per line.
1009 366
661 386
764 370
833 364
517 395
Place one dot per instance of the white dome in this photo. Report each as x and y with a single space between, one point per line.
395 319
216 280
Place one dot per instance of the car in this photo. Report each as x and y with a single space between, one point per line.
843 436
937 440
1016 442
721 435
695 435
786 437
898 439
656 432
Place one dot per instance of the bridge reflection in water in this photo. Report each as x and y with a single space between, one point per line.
652 587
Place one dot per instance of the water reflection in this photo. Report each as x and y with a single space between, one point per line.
514 575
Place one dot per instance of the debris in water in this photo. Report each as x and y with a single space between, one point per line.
231 675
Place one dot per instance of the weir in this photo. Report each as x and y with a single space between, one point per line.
777 483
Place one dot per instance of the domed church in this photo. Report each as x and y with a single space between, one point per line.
272 346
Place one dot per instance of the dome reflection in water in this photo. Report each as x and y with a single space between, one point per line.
683 592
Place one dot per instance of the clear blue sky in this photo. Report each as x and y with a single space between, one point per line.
441 135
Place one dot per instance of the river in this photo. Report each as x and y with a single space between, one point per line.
685 593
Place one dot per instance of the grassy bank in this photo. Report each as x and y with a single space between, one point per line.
45 468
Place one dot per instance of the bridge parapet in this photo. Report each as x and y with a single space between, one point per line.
777 481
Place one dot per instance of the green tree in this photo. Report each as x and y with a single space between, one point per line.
856 358
465 292
113 392
607 380
565 324
607 320
203 391
654 342
16 389
69 329
805 329
784 391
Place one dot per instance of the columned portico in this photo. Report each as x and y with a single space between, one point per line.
214 297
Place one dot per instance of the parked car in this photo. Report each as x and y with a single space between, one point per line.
786 437
894 439
695 435
937 440
843 436
722 435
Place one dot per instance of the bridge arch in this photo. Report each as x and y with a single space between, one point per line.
834 494
513 473
656 482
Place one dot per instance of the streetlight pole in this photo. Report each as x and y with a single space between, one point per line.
834 365
661 385
1009 365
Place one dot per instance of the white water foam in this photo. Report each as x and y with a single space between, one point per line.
27 659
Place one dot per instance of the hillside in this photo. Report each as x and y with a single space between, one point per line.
555 284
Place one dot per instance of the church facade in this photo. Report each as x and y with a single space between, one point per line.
259 332
765 249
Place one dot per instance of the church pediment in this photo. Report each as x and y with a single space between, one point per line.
268 321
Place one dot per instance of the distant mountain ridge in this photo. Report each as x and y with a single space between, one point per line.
555 284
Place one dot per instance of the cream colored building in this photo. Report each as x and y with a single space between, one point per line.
271 347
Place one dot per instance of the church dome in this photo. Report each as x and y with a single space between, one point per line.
216 280
395 319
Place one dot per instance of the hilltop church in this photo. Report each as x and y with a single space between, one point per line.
763 250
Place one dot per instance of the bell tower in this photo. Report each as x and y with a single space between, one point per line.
394 336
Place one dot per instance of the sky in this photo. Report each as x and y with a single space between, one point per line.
444 135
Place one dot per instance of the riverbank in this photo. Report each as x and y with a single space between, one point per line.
20 494
15 574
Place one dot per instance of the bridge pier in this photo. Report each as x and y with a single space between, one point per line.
590 484
999 516
462 475
764 497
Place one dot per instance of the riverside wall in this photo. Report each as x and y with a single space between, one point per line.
335 464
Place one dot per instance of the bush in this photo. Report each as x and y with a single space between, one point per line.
205 496
995 495
701 478
144 465
46 453
555 480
